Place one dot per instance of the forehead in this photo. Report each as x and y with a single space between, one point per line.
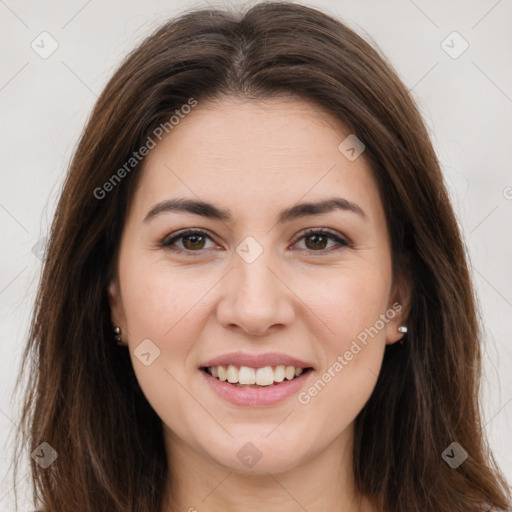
252 155
240 134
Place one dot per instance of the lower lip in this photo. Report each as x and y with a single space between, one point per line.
268 395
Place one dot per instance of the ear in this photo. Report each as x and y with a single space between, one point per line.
399 308
116 307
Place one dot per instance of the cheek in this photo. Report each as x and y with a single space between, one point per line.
161 303
347 302
165 308
348 308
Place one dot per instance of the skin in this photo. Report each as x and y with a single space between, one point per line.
255 159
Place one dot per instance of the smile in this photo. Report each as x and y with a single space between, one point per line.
264 379
247 377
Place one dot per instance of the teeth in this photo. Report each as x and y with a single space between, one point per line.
223 374
232 374
245 375
289 372
279 374
264 376
248 376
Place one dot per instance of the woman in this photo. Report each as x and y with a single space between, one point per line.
255 292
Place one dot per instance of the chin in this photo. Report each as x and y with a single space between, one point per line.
257 455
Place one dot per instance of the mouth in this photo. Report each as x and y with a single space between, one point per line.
255 378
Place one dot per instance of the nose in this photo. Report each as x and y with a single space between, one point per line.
256 299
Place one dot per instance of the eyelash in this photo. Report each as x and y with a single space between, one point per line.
167 242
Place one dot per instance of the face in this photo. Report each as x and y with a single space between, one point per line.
256 288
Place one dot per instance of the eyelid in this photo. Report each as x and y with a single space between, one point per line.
340 239
168 240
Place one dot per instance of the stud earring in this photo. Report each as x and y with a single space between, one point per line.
403 329
117 335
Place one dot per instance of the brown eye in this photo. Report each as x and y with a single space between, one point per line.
191 241
316 240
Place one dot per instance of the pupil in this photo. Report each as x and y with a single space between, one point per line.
194 238
316 237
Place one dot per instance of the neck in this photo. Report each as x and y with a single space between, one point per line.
320 482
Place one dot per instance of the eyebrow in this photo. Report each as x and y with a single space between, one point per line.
210 211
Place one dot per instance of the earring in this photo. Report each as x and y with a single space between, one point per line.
117 335
403 329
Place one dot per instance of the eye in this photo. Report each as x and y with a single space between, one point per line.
194 241
319 238
191 241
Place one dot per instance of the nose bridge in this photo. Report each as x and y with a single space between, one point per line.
255 283
256 298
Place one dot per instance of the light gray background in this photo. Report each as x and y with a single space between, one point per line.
467 104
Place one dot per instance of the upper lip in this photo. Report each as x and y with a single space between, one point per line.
256 360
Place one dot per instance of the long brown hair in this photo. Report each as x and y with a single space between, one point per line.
83 398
